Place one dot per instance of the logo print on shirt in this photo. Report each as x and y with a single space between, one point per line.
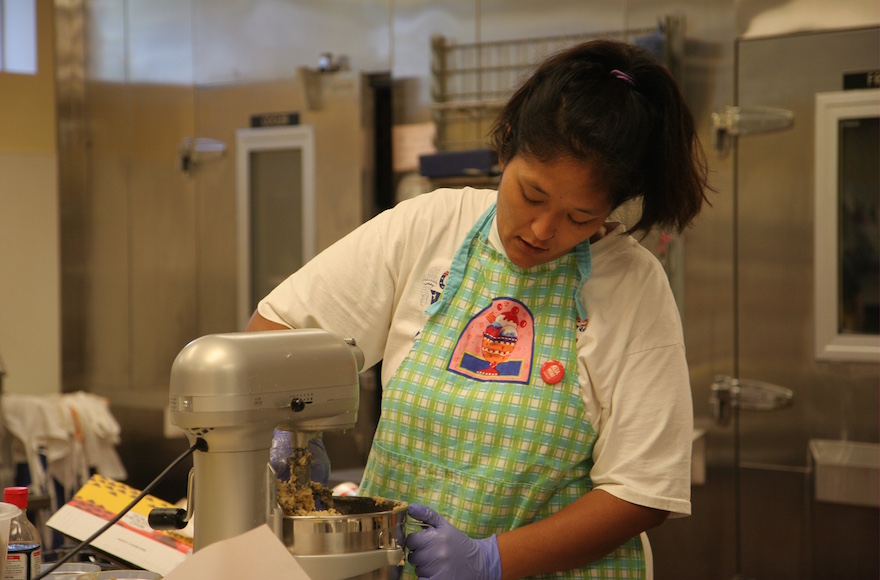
433 283
497 344
435 294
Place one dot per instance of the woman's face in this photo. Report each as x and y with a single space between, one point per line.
546 209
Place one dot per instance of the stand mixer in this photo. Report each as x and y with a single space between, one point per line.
232 391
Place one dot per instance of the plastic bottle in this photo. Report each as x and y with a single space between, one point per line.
24 558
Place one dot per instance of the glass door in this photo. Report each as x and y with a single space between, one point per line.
275 195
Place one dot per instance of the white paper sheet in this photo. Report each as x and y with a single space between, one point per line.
254 554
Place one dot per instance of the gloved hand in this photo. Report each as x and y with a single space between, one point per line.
281 451
443 552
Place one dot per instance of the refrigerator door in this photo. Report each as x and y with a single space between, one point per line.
781 530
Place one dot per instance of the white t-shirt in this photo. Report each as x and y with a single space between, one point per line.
375 284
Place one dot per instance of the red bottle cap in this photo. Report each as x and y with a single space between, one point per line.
17 496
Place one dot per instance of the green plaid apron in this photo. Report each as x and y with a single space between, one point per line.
476 422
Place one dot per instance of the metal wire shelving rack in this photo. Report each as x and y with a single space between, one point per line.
472 81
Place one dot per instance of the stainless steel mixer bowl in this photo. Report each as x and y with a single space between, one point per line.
364 523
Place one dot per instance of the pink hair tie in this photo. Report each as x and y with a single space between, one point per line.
619 74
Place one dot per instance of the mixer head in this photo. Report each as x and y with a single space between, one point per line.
233 389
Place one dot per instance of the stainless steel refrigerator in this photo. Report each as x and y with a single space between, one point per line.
760 513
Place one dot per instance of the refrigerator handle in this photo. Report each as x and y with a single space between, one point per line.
729 393
736 121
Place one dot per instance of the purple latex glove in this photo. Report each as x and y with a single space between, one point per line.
442 552
281 450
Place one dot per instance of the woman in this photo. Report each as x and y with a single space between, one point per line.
536 405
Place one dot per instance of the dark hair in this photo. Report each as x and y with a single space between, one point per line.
612 104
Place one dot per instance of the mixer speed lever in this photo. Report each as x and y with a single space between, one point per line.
174 518
167 518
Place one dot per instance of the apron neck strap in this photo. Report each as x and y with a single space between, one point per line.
585 268
456 270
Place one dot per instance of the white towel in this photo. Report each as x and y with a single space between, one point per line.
100 433
36 422
75 431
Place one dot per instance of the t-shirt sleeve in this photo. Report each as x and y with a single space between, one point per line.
643 452
347 289
636 384
367 285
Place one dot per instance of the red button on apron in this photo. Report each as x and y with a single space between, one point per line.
552 372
